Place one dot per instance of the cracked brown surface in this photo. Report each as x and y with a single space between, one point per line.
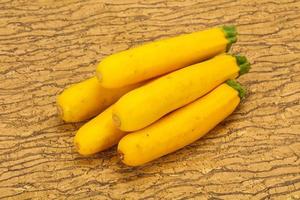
46 45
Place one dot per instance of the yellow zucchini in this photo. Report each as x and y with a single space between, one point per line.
98 134
163 56
181 127
144 105
86 99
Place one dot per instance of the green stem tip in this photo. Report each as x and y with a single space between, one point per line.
231 35
243 63
238 87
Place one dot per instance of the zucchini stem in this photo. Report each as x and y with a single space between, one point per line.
231 35
238 87
243 63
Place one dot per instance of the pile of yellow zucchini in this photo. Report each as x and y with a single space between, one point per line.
154 99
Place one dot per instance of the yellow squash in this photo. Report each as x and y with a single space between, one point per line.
181 127
98 134
86 99
144 105
163 56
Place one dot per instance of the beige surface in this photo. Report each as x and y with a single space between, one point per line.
46 45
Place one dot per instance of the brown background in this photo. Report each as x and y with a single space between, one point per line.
47 45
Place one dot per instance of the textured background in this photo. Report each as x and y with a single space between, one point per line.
46 45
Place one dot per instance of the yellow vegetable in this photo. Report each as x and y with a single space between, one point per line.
98 134
144 105
163 56
86 99
182 127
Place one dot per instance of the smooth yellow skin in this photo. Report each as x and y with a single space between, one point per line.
98 134
180 128
144 105
160 57
86 99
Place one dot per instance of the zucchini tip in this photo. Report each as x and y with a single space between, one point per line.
238 87
243 63
231 35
